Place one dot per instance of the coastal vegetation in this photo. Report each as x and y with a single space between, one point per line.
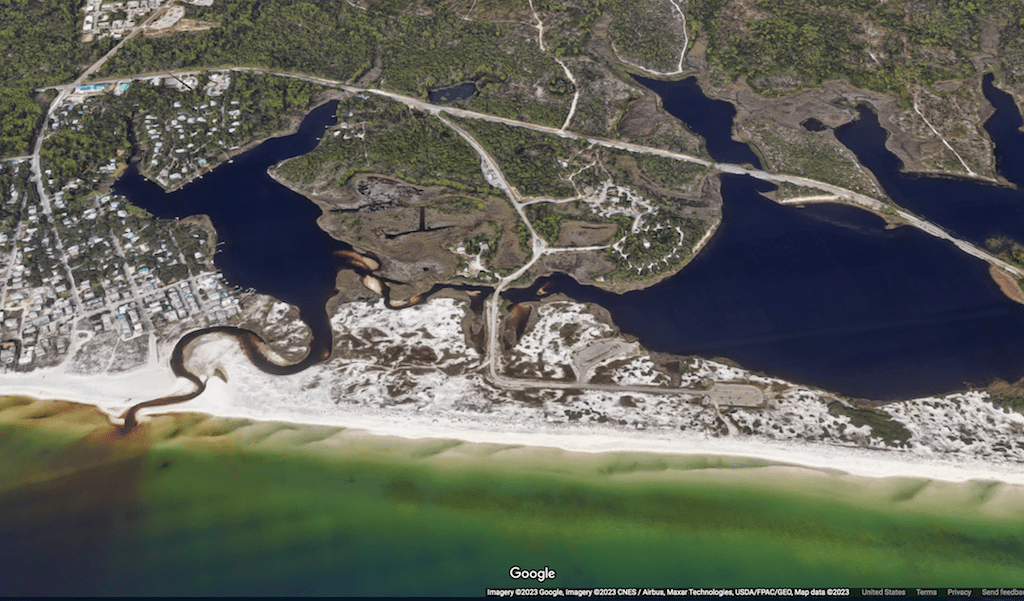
333 40
422 53
664 244
22 117
808 155
1011 401
399 48
40 45
265 104
379 135
643 187
76 152
546 220
787 190
783 45
666 172
882 425
568 24
1011 44
533 162
647 32
14 179
1006 248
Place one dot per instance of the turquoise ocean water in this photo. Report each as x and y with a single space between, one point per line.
208 515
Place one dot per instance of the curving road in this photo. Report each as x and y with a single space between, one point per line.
496 177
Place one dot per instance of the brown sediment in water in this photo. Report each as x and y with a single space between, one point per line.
258 352
373 283
476 301
255 349
357 261
1007 284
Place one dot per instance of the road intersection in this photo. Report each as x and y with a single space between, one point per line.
540 248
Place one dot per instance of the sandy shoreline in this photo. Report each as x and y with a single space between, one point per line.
114 394
357 392
597 439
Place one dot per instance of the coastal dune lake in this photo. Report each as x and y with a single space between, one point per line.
192 505
835 302
974 210
189 504
825 295
268 238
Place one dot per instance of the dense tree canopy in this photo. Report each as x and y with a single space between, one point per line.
39 43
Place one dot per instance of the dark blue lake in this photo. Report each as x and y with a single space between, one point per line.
1003 128
268 236
971 209
826 296
710 119
823 295
459 92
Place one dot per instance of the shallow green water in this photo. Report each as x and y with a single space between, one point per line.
182 520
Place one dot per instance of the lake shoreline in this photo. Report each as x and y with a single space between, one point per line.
228 154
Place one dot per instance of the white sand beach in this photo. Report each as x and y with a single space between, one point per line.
360 394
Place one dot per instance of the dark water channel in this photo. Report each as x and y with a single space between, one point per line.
459 92
1003 128
823 295
710 119
269 240
268 236
971 209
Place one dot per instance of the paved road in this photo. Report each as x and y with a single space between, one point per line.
147 323
540 248
37 172
857 198
497 178
15 239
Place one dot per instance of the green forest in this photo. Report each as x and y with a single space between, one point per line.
1011 44
78 153
809 156
797 43
669 173
547 220
415 52
646 30
16 178
659 245
39 42
266 103
395 140
415 47
331 39
531 161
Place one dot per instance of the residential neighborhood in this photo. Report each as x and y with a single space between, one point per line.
116 19
84 259
130 273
